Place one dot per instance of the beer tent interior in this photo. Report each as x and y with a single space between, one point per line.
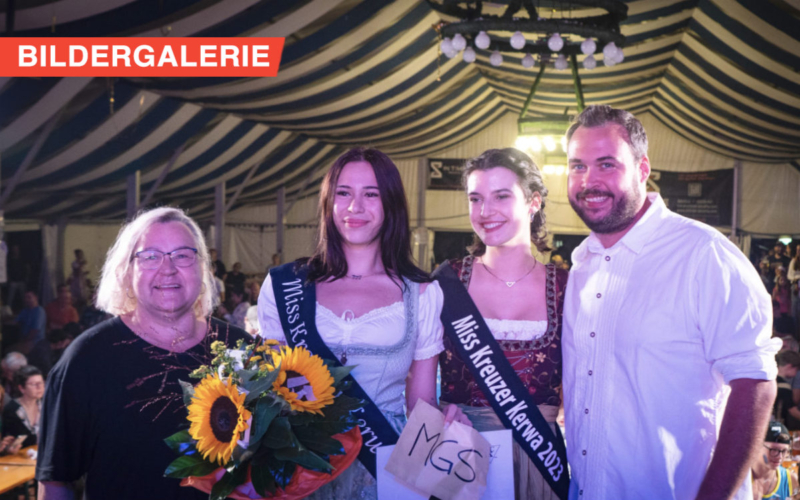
715 82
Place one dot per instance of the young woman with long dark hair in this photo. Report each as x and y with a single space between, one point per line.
374 307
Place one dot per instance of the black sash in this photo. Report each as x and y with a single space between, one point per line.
501 386
296 301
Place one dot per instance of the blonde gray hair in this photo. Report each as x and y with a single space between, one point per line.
115 290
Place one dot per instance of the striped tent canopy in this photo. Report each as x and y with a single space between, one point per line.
724 74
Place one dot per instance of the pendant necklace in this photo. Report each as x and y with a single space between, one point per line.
509 284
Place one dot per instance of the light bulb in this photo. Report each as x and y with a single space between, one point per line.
590 62
496 59
517 40
536 144
610 50
468 55
561 63
609 61
619 56
450 54
528 61
555 42
459 42
482 41
446 46
549 143
564 143
588 46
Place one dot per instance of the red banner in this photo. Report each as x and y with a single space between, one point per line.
132 57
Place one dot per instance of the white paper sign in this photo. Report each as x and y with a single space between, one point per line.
499 481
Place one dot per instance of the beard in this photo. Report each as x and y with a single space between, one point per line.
623 210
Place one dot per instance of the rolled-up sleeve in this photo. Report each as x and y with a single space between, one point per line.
734 314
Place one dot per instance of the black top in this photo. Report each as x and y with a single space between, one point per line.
110 401
220 269
13 424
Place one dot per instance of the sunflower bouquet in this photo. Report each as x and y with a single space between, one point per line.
266 421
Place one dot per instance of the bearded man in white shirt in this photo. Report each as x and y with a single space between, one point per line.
664 319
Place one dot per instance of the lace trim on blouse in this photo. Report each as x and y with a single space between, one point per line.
521 335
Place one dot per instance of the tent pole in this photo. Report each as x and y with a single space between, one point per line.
576 80
134 185
149 197
422 232
533 91
219 217
280 222
241 186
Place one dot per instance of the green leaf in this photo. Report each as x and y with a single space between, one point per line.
188 392
180 442
342 407
190 465
263 482
303 457
317 440
280 435
259 386
228 483
267 408
340 372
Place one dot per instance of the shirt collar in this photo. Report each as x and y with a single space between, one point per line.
637 236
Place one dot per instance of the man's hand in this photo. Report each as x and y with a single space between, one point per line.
742 432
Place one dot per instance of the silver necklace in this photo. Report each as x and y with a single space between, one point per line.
359 276
509 284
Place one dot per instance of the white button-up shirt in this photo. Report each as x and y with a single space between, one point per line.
654 329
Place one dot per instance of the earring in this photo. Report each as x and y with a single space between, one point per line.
533 215
127 293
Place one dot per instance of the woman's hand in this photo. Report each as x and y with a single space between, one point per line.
452 414
5 443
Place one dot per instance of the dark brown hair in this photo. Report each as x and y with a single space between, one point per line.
328 260
530 180
598 115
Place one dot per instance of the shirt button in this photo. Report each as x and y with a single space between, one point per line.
586 411
608 258
599 295
591 334
584 452
590 373
580 492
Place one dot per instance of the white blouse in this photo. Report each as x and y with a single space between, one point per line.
516 329
384 326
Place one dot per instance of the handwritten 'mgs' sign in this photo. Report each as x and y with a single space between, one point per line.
448 464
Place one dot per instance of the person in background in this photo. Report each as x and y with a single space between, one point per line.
276 261
115 395
663 316
778 259
238 305
48 351
771 481
219 285
235 278
253 289
21 415
12 362
793 275
788 365
6 443
32 323
77 280
219 270
61 311
251 325
782 295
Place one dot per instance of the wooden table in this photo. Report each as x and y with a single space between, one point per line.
16 470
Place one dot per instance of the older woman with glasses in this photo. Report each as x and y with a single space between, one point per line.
114 395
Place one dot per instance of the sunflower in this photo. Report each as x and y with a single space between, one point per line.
304 381
218 417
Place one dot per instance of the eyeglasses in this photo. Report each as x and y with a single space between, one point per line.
34 384
152 259
775 452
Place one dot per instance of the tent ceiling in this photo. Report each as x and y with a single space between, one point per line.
724 74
